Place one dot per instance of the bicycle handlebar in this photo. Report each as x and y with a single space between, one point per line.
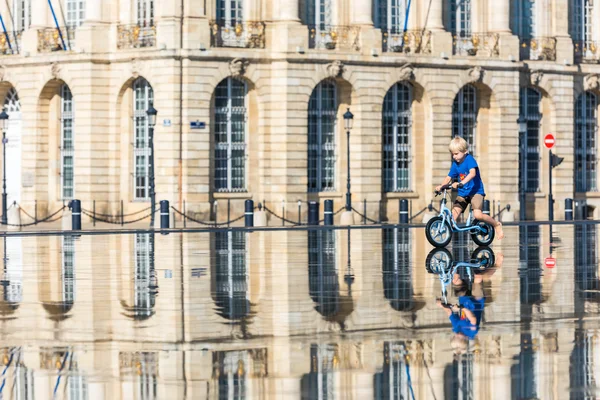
448 187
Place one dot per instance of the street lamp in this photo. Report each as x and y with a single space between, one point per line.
348 119
523 175
151 112
4 125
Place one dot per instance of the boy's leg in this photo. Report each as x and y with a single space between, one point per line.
460 205
477 206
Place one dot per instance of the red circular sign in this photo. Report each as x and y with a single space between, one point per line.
549 141
550 262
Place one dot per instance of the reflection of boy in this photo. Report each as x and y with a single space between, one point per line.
470 308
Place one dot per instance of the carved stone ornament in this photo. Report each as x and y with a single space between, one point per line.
335 69
592 82
135 68
238 66
55 71
407 73
535 77
475 74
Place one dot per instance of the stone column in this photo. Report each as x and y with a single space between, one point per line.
500 16
435 22
93 11
286 10
362 13
560 30
39 18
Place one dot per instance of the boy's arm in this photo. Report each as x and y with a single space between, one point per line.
472 174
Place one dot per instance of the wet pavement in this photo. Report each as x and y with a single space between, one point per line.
298 314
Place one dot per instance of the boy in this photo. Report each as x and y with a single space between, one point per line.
465 169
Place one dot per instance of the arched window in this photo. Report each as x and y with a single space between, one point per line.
397 269
231 275
323 283
75 13
67 140
144 279
460 18
586 123
582 21
322 110
529 154
464 116
319 13
522 20
230 135
390 15
145 13
68 269
22 14
12 105
396 125
143 97
230 11
393 382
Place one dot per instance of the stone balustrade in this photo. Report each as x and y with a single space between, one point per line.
410 42
135 36
243 34
586 51
53 39
477 44
331 37
538 49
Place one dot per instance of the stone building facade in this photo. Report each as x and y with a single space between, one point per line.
250 96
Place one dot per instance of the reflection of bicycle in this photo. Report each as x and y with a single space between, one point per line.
440 262
439 229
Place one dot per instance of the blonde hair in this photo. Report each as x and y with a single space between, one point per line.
458 144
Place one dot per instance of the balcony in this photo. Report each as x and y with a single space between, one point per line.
135 36
485 45
586 52
15 43
330 37
538 49
49 39
410 42
240 34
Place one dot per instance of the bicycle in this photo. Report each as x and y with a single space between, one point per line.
439 229
440 262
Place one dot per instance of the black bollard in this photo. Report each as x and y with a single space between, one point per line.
313 213
164 214
486 207
568 209
404 211
75 215
328 212
249 213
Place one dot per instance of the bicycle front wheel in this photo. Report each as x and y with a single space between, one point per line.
438 232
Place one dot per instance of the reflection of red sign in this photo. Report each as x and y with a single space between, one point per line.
550 262
549 141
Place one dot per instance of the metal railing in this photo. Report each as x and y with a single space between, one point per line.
477 45
538 48
410 42
331 37
242 34
135 36
586 51
49 39
15 43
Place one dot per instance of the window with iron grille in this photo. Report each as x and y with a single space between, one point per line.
586 126
529 154
462 378
582 21
75 13
390 15
460 18
78 387
464 116
528 366
322 111
143 97
231 274
22 10
522 20
397 268
319 13
230 135
145 13
230 11
323 284
67 150
144 279
397 125
393 382
68 269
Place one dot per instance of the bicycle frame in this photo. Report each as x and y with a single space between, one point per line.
446 215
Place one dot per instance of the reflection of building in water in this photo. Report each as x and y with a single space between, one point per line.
145 283
393 382
320 382
458 377
462 246
12 276
397 269
530 271
323 282
230 277
17 380
59 303
139 375
585 361
525 380
240 374
587 284
66 371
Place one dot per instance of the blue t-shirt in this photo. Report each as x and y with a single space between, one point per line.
460 323
460 171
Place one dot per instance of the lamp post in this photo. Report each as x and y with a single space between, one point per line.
151 112
348 119
523 167
3 125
